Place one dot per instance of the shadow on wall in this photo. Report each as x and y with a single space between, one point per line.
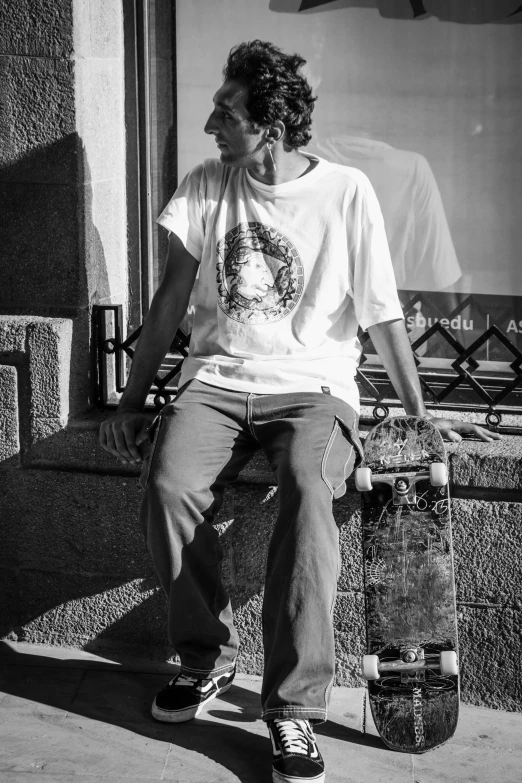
54 259
76 570
55 533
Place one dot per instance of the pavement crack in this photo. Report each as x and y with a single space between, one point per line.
162 776
75 694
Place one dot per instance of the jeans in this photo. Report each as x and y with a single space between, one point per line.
201 442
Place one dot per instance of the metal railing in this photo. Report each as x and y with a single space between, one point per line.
461 385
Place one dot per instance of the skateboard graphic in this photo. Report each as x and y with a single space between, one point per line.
411 625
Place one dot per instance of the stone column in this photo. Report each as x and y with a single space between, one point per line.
62 167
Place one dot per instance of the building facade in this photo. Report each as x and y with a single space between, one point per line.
100 99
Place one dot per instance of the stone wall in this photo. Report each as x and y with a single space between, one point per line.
76 571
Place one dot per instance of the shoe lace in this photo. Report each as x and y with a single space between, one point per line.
294 735
184 679
187 680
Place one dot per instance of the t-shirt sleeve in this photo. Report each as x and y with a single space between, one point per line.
184 215
373 281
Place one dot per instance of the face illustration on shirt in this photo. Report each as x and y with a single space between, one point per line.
254 278
259 274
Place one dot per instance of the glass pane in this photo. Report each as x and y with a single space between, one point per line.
161 128
426 99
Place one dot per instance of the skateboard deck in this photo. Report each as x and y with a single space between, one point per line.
411 627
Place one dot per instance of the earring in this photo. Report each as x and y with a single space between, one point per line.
269 145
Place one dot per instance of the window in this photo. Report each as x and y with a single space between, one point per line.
424 96
151 141
429 109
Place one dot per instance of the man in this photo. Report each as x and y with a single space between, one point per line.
271 365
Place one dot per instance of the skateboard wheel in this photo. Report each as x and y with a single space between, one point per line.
448 663
363 479
438 474
370 667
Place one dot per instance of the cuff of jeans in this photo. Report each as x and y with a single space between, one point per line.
207 674
313 714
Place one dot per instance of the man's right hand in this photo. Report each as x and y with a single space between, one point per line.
123 434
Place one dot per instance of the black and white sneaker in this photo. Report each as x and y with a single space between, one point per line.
296 757
185 696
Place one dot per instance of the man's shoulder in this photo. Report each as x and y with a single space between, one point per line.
348 179
210 168
348 174
208 178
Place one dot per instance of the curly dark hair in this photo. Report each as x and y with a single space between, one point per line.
276 89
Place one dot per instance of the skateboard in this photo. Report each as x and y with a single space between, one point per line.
411 626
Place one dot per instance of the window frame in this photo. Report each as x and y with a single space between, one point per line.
138 128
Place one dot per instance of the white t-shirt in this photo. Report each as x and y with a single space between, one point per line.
287 272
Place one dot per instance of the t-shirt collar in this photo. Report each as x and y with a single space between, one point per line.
294 184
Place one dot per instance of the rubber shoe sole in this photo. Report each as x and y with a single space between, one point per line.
179 716
277 777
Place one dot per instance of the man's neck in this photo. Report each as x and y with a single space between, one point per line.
289 166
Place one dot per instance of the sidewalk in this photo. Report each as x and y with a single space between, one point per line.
67 716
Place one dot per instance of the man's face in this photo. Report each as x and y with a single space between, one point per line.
239 144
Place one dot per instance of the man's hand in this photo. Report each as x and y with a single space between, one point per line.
393 346
450 429
123 433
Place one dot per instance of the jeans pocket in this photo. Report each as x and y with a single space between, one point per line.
153 433
343 451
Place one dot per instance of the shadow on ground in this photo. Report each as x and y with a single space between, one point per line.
90 700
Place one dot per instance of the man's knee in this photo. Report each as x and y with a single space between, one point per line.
304 481
178 490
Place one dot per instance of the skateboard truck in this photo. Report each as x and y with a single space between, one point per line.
404 489
403 485
411 664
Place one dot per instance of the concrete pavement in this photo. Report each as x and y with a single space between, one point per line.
72 717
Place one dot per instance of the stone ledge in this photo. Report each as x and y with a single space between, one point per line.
474 466
495 465
76 448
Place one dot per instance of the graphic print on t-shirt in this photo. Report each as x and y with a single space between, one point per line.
260 276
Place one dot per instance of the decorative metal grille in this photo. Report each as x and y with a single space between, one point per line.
461 385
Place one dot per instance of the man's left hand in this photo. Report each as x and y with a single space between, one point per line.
453 430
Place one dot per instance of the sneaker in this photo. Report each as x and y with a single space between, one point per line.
296 757
185 696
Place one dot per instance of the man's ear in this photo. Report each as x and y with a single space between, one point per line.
276 131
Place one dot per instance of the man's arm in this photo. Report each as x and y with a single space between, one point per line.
391 343
122 433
